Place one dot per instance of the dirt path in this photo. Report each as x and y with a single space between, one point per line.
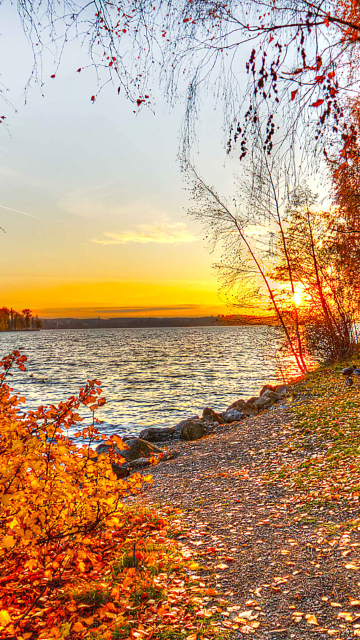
296 577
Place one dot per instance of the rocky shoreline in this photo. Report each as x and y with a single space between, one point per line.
156 444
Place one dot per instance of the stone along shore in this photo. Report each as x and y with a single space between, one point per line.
139 453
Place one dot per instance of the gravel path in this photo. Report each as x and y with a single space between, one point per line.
293 576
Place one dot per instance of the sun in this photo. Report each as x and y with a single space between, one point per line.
297 298
298 295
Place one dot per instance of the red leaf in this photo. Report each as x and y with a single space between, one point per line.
53 75
293 94
317 103
78 70
92 98
320 78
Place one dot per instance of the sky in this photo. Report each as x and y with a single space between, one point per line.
92 199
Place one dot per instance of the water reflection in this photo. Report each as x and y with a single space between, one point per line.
150 377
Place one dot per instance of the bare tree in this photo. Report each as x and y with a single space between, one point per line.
228 224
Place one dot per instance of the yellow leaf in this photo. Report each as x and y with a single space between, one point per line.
193 566
4 618
345 615
310 619
8 542
78 627
246 615
352 566
65 629
355 603
254 624
221 566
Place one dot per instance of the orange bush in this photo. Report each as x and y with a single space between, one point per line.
61 508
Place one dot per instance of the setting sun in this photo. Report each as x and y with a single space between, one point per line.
298 295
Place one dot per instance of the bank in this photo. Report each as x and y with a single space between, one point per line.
271 505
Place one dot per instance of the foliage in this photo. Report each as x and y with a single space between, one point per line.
76 560
324 264
11 320
301 59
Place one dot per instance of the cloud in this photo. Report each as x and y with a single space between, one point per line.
160 233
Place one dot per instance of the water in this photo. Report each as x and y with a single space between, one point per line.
150 377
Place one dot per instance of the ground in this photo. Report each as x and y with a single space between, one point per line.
287 561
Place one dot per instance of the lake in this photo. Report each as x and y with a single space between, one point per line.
150 377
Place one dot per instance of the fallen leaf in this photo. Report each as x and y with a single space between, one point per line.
310 619
345 615
4 618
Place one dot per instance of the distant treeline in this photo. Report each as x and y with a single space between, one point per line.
25 320
133 323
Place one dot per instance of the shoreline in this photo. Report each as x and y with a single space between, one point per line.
292 570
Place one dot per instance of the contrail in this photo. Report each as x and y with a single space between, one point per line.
23 212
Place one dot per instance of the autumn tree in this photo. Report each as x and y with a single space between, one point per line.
27 314
324 263
4 319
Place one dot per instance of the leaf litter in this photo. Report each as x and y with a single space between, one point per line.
270 506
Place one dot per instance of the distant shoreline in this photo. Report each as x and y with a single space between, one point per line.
134 323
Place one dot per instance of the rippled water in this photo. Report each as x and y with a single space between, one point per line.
151 377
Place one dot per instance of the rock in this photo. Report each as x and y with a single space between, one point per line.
193 429
238 405
232 415
136 465
266 387
137 449
250 408
264 402
282 390
157 434
106 448
208 415
251 400
180 425
275 397
120 470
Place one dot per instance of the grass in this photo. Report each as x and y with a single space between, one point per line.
94 597
322 455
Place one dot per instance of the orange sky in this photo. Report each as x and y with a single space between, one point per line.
92 201
111 299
